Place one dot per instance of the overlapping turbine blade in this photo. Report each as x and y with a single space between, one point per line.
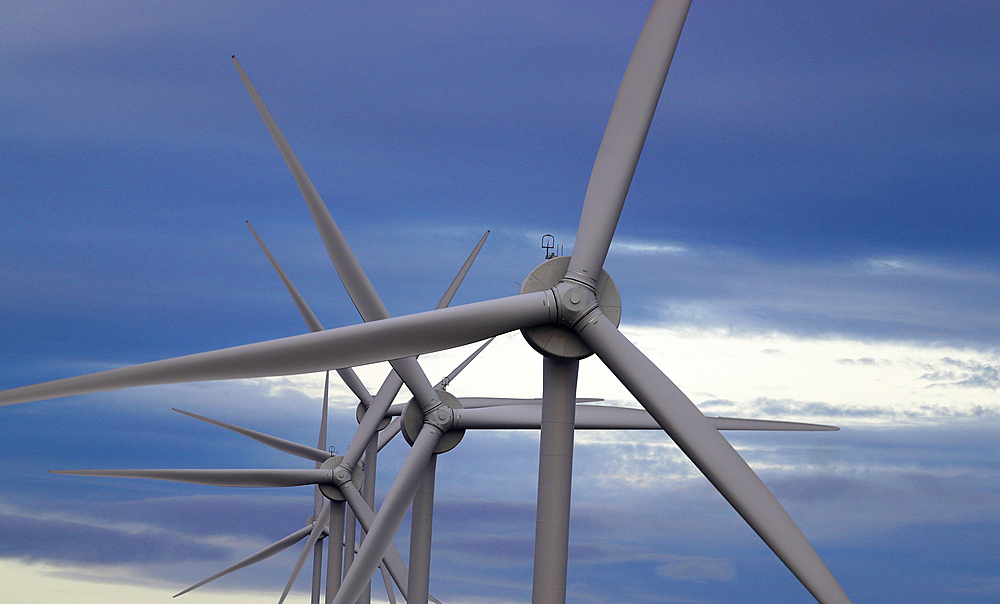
596 417
392 560
275 548
383 399
390 593
334 348
347 374
735 423
624 136
454 372
478 402
372 419
274 442
457 281
359 288
389 516
356 282
319 525
220 478
390 432
712 454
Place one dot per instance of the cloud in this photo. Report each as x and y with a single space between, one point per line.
696 568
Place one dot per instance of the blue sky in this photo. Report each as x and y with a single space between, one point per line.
809 235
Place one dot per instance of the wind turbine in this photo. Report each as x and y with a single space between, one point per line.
566 313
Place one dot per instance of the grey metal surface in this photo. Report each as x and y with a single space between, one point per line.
389 516
421 528
713 455
280 444
624 137
219 478
555 481
348 346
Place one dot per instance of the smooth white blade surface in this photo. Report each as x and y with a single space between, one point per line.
527 416
334 348
358 286
389 516
275 548
320 524
286 446
220 478
624 136
713 455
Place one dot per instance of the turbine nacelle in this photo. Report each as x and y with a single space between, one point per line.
574 301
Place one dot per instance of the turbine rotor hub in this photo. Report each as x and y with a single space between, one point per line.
339 476
575 299
441 418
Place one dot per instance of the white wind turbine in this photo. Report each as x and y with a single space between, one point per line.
568 309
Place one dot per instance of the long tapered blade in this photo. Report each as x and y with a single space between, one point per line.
347 374
390 432
357 284
598 417
712 454
322 520
389 516
454 372
300 303
334 348
376 410
275 548
286 446
477 402
220 478
390 593
624 137
449 293
366 517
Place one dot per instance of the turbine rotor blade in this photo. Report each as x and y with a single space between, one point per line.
712 454
319 525
624 137
307 314
220 478
285 446
528 416
358 287
264 554
389 516
457 281
334 348
366 517
347 374
454 372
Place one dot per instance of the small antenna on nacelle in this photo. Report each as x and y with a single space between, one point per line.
548 244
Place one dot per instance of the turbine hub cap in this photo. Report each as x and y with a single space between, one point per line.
441 417
338 476
574 301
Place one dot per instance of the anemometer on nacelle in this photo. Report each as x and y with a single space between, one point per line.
549 244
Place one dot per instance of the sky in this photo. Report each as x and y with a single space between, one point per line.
809 236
